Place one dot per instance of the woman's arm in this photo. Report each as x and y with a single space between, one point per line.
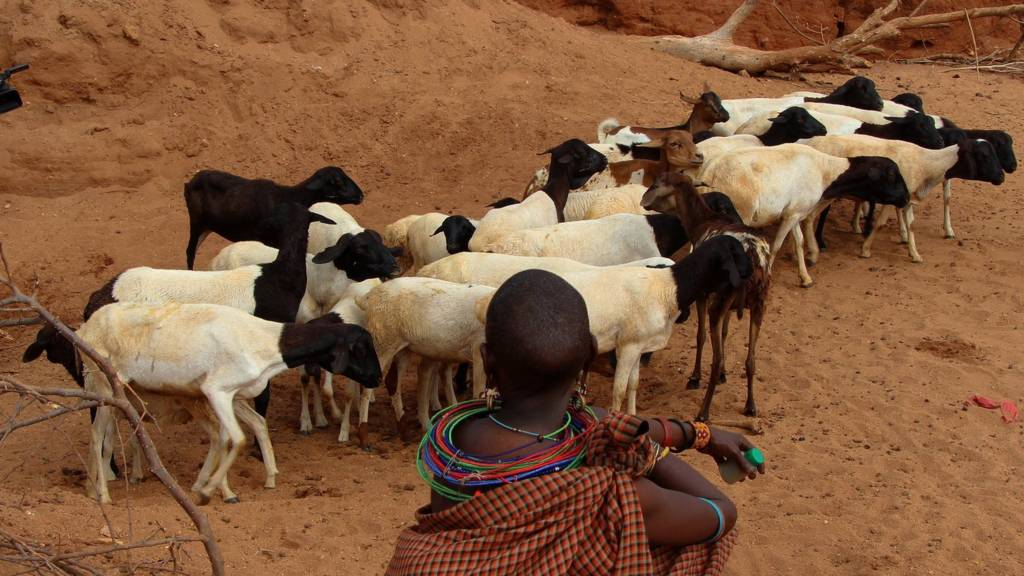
678 518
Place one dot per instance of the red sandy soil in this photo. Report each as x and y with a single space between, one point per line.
875 466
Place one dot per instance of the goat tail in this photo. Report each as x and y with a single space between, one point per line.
605 128
869 221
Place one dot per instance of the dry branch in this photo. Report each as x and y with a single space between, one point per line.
36 557
119 401
717 48
20 322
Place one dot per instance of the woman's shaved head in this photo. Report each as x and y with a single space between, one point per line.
538 333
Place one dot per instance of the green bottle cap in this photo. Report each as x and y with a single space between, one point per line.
754 456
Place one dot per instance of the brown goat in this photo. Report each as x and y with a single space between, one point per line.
675 193
707 111
678 152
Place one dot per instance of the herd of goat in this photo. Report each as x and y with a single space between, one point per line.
305 286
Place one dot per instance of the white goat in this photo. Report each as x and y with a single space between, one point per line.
921 168
431 318
494 269
614 239
211 351
787 183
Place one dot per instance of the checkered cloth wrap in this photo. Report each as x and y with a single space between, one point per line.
585 521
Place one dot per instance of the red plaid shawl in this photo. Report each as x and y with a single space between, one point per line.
585 521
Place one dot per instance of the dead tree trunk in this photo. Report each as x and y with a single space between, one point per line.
718 49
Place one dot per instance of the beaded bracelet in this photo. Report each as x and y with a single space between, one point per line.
703 435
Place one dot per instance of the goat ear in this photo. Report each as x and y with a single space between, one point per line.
314 217
45 335
397 251
340 357
439 230
33 351
650 196
780 119
684 315
657 143
707 87
333 252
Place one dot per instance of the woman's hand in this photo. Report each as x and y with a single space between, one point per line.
726 445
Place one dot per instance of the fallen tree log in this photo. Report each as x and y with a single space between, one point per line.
842 54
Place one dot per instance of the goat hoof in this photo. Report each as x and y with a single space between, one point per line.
363 434
135 481
806 283
917 260
865 254
702 417
950 236
721 377
232 500
305 432
203 499
323 424
693 383
367 448
750 410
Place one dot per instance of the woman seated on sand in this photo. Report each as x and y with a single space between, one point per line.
542 484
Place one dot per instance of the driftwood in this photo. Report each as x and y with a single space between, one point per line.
33 556
842 54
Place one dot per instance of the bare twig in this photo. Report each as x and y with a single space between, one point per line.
47 416
35 557
794 28
1013 53
974 41
21 322
918 9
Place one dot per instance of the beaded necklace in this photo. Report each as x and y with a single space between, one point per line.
442 465
539 437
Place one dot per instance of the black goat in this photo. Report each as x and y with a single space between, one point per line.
231 205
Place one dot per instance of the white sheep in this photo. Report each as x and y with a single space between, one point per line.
633 310
396 234
614 239
211 351
921 168
494 269
742 109
787 183
431 318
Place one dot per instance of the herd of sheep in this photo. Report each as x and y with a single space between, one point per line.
303 285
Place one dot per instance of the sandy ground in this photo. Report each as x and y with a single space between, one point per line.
875 467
